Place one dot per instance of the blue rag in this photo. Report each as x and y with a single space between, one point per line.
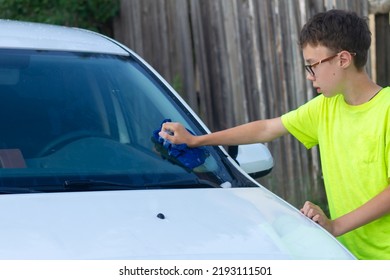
186 156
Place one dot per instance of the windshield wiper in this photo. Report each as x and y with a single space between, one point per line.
16 190
191 183
68 185
90 184
102 185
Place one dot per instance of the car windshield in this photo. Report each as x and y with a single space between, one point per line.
80 121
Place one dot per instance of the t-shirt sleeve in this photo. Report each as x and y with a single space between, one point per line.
303 122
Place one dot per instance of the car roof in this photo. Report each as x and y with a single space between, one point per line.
40 36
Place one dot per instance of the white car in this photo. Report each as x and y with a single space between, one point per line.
82 176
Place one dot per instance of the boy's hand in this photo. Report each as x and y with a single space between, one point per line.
315 213
176 133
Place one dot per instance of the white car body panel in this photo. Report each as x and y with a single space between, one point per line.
39 36
247 223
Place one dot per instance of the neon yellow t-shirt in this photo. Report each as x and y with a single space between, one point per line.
354 143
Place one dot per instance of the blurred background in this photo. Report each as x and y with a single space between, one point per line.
233 61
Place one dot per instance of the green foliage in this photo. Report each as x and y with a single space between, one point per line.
177 83
95 15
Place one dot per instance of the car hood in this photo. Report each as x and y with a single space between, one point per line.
243 223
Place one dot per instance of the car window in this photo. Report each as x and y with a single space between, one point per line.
89 118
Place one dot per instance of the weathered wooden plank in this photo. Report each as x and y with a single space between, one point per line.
202 75
383 49
235 77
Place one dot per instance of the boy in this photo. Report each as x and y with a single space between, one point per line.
349 121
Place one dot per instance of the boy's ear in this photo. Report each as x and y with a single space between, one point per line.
345 59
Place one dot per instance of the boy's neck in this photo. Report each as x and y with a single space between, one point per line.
360 90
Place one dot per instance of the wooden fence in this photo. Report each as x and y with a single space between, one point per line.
236 61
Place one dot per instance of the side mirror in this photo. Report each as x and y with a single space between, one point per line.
254 159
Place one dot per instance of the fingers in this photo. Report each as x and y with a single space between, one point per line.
168 128
172 131
316 218
166 131
312 211
307 207
165 135
315 213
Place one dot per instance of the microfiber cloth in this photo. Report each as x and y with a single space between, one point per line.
181 153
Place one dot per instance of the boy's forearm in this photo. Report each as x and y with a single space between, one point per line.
254 132
238 135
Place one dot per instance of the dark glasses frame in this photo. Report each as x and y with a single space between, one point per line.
309 67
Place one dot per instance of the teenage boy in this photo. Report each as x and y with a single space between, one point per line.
349 120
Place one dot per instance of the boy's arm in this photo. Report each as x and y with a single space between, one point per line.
254 132
368 212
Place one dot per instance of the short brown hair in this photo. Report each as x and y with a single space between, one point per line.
338 30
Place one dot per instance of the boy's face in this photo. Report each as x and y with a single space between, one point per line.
323 71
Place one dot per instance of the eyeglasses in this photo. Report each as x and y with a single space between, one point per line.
309 67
